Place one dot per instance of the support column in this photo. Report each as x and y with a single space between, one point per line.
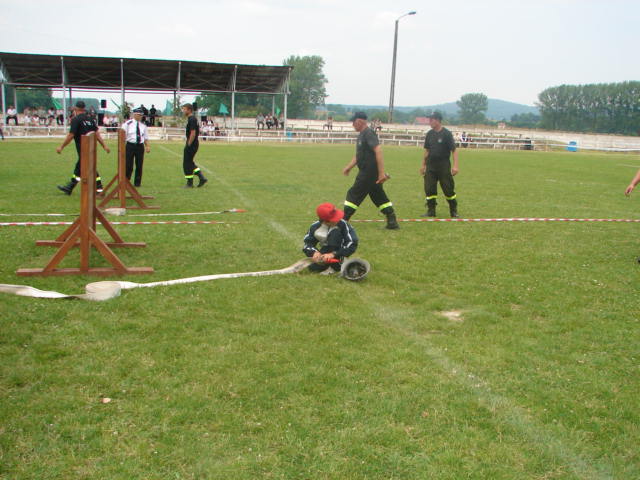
63 75
4 106
233 97
286 96
5 79
122 99
176 92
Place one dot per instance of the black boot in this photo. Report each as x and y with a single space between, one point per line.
348 212
189 183
68 188
453 208
99 187
431 208
392 222
202 179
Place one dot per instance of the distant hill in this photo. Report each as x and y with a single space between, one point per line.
498 109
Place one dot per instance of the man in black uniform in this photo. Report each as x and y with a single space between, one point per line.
436 166
190 149
152 116
371 174
81 124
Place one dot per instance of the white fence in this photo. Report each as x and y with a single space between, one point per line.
310 131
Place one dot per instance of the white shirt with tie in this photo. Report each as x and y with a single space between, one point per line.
131 127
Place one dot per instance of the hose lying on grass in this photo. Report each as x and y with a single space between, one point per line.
100 291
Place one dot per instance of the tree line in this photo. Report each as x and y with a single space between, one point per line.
599 108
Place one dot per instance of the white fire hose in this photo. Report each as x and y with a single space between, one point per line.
100 291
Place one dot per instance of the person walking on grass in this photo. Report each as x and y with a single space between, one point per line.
81 124
191 148
439 145
371 173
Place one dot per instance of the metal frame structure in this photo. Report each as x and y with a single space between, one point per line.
140 75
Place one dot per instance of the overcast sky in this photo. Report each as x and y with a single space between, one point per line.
506 49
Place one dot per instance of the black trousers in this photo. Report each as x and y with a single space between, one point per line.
12 117
365 184
77 173
134 153
188 165
441 174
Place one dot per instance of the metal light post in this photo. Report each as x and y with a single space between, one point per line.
393 67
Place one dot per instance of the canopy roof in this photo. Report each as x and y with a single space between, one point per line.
105 73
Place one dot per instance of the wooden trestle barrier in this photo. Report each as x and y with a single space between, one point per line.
82 232
121 184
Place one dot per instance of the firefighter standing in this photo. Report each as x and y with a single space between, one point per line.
436 166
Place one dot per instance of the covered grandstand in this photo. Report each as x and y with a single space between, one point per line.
65 73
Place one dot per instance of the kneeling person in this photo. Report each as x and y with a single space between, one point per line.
330 238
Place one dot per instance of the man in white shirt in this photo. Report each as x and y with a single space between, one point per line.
137 143
12 114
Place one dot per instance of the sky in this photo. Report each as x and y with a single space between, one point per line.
507 49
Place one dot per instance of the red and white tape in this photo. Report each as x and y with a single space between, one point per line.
520 219
463 220
231 210
167 222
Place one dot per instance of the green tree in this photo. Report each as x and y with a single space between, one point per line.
473 107
525 120
603 108
307 85
246 104
29 98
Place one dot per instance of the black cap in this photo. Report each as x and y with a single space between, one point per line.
138 110
358 115
436 116
80 104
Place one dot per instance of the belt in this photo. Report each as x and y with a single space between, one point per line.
134 143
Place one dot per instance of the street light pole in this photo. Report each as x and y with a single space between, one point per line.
393 67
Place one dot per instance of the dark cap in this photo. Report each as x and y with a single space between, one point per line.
358 115
80 104
436 116
138 110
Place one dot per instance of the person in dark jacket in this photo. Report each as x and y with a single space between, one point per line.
329 239
371 174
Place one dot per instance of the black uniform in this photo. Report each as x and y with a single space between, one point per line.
188 165
365 182
83 124
440 145
341 240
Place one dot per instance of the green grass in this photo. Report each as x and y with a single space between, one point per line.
302 376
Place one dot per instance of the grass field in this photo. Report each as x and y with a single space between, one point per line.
472 350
